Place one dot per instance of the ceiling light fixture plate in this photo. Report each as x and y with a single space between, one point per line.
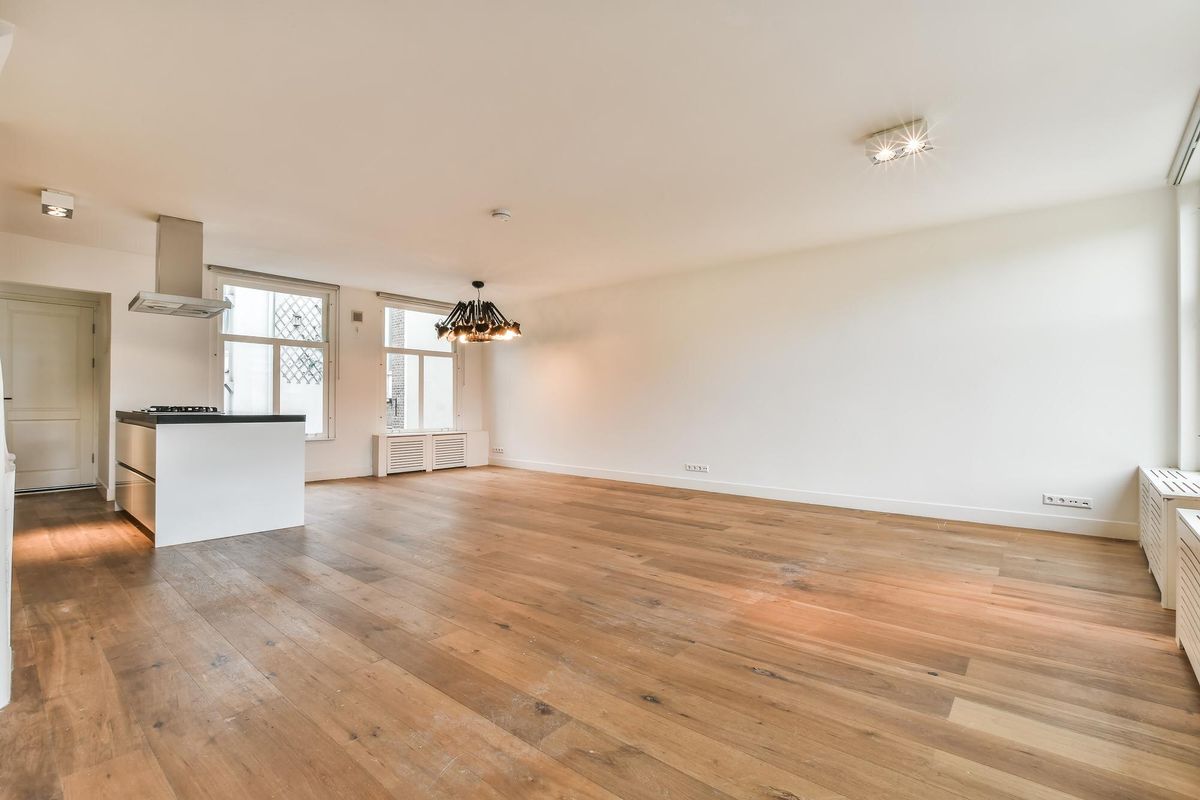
58 204
899 141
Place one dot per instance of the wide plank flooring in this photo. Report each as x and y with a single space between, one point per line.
494 633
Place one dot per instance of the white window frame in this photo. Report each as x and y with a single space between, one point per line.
428 308
328 297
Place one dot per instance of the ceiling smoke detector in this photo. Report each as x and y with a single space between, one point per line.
502 214
896 143
58 204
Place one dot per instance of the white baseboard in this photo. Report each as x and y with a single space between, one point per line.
335 474
104 491
1108 528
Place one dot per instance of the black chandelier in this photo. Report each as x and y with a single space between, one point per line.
477 321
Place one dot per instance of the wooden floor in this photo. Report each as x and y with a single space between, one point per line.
494 633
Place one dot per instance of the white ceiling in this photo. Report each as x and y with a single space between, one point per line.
364 142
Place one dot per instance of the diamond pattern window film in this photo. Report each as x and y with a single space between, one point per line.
298 317
300 365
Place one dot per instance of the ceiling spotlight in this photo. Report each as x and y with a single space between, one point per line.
903 140
58 204
502 214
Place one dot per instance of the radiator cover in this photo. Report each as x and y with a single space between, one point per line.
1162 492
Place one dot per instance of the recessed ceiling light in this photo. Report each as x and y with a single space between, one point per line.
903 140
58 204
502 214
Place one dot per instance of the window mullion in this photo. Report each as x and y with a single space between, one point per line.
407 351
301 342
237 337
241 337
276 368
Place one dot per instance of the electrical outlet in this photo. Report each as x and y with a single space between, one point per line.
1064 500
695 467
498 451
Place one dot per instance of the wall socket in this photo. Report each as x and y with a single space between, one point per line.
498 451
1064 500
695 467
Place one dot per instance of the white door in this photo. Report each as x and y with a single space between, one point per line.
47 351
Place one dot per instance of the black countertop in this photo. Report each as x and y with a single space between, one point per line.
152 420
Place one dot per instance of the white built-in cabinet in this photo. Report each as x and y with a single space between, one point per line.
1162 492
1187 588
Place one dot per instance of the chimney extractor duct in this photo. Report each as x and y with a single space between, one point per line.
179 273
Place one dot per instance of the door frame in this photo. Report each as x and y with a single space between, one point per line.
66 297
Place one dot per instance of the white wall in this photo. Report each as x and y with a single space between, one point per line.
159 359
151 358
956 372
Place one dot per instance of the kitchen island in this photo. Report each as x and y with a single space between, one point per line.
192 477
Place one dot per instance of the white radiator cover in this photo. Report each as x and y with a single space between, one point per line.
405 454
449 451
1187 612
1163 491
425 452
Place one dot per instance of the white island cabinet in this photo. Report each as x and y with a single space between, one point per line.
193 477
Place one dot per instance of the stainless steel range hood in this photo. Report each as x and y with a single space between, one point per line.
179 273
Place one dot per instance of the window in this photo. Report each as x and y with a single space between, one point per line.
274 346
419 372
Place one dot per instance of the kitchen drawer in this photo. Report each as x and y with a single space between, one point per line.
136 447
135 494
